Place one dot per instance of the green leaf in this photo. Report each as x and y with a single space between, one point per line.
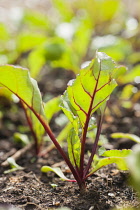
36 61
74 147
69 60
4 35
51 107
113 156
35 19
22 138
19 82
28 41
62 7
69 111
56 170
117 153
131 75
54 49
106 9
83 24
101 150
113 46
128 208
90 89
85 95
121 163
132 137
92 124
133 162
14 166
127 92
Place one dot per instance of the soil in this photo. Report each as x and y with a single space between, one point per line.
30 189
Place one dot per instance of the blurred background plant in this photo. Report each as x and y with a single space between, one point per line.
133 162
67 33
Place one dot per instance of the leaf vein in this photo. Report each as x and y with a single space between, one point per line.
100 102
103 86
85 89
80 108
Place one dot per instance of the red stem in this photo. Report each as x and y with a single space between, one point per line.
94 148
31 127
86 128
52 137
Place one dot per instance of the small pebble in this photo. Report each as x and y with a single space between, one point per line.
111 194
91 208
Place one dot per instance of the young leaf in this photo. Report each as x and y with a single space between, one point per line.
26 89
51 107
86 94
132 137
90 89
113 156
19 82
117 153
23 86
101 150
74 147
22 138
133 162
56 170
14 166
121 163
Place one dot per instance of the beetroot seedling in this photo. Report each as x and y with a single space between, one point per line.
86 95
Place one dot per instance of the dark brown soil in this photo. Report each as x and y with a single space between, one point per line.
30 189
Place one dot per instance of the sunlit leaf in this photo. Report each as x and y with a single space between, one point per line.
74 147
86 94
113 46
21 138
127 92
14 166
68 61
84 24
27 41
50 108
132 137
56 170
131 76
117 153
113 156
62 7
4 35
133 162
36 61
83 98
35 19
54 49
19 82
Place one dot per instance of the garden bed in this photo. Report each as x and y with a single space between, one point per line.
31 189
